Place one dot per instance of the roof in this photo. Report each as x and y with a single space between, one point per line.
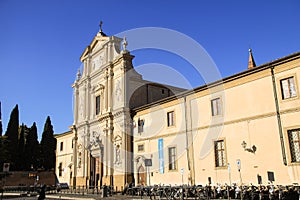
63 134
226 79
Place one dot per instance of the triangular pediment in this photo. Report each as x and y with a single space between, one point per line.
118 138
98 40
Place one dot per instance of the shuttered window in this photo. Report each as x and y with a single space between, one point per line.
288 89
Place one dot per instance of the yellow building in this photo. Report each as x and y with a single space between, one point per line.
242 129
64 157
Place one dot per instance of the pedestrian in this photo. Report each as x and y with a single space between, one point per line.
42 193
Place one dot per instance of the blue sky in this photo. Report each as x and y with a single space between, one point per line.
41 42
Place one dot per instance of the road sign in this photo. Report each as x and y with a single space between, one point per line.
181 171
148 162
238 162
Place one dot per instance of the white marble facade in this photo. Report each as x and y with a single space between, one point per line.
105 90
102 135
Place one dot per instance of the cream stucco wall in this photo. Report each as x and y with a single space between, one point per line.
249 114
65 157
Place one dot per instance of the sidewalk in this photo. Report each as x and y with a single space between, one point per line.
90 197
22 196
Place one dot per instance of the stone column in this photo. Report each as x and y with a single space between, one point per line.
110 79
74 141
105 153
75 103
106 90
111 150
88 171
88 99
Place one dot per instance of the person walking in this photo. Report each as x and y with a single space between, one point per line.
42 195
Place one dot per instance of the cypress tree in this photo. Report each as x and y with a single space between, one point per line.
3 151
1 129
48 146
32 149
12 134
21 147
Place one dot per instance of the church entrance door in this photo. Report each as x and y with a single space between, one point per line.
142 176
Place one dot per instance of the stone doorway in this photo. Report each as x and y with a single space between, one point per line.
142 176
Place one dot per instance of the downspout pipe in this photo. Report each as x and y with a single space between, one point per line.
278 117
186 134
189 146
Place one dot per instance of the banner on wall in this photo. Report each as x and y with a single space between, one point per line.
161 155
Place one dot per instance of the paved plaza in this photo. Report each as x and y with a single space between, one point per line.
19 196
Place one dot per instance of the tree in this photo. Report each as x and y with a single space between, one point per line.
12 134
1 129
3 151
32 149
48 146
20 162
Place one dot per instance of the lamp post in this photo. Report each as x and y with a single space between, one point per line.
182 172
148 164
229 173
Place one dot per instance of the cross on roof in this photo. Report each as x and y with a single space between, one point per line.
100 24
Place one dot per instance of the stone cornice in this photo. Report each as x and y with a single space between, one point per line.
105 116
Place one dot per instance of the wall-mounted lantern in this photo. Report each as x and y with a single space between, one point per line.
249 149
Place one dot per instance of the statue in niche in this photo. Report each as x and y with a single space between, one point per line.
79 156
101 59
81 103
118 91
118 154
117 150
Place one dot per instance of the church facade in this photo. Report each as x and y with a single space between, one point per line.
105 91
242 129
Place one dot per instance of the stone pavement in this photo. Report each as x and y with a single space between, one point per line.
19 196
90 197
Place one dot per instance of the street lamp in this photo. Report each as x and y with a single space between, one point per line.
249 149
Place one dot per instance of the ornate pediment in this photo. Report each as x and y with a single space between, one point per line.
118 138
98 88
97 43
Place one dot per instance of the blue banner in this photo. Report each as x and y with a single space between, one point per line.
161 155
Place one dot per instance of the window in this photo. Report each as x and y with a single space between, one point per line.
288 89
220 154
60 169
140 147
141 123
97 105
294 140
172 158
170 118
216 107
61 146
